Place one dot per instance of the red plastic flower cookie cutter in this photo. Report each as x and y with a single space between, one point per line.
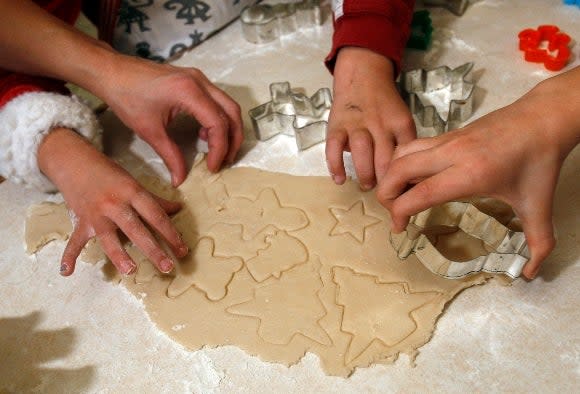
557 54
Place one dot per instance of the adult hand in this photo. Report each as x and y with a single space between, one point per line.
105 199
513 154
367 118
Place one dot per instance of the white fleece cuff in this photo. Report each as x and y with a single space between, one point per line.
26 120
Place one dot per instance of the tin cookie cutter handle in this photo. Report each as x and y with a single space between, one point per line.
510 250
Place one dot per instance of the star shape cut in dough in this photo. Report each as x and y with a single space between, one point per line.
352 221
205 271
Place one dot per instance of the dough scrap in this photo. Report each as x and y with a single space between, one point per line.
283 265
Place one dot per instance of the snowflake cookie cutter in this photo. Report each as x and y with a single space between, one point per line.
414 83
509 249
293 114
457 7
262 23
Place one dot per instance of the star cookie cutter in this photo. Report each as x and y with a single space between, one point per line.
530 41
293 114
416 82
457 7
262 23
421 31
509 248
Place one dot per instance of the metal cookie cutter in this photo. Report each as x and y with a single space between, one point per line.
415 83
263 23
458 7
293 114
510 249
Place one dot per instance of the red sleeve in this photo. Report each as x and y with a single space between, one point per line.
14 84
382 26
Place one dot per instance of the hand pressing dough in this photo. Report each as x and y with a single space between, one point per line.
282 265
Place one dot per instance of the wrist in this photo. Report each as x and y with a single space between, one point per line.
58 154
353 63
560 97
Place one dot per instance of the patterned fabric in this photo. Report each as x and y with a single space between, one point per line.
159 29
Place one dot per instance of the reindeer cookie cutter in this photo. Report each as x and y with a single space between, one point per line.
509 249
456 82
262 23
293 114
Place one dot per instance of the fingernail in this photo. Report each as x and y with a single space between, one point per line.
338 179
63 268
183 250
367 186
166 266
132 269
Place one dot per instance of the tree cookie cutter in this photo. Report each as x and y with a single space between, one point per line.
262 23
456 82
457 7
558 41
293 114
509 249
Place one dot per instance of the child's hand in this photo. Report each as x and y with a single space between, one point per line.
368 116
513 154
105 199
147 96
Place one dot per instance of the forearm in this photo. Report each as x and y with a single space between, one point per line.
63 156
34 42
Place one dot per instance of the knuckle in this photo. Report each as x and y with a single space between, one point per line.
236 109
405 125
425 190
360 138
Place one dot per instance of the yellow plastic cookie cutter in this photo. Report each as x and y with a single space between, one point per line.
509 248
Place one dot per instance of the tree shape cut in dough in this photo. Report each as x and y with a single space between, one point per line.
283 253
283 312
205 271
258 214
386 317
352 221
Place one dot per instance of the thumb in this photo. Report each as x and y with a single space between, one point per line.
171 155
170 207
539 231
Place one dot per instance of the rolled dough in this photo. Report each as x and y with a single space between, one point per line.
282 265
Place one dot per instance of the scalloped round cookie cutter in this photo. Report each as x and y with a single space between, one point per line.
294 114
263 23
509 248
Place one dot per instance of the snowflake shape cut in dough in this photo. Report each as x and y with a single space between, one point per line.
288 306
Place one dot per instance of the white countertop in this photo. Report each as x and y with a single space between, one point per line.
86 334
